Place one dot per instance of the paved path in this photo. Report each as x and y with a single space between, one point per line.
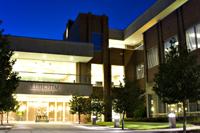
75 128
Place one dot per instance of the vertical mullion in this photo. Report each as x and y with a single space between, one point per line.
195 33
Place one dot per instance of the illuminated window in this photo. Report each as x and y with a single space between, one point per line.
117 73
172 41
152 57
40 70
193 37
140 71
97 74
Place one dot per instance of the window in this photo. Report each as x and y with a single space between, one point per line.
152 57
117 73
193 37
172 41
97 40
140 71
97 74
46 71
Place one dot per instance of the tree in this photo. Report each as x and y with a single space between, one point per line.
178 79
12 105
8 79
127 98
97 106
80 105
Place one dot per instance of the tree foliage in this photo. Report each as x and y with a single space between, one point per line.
178 79
80 105
97 106
127 98
8 79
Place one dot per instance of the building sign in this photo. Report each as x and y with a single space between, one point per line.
28 87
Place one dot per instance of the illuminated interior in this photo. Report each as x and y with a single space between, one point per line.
43 107
116 44
44 69
97 74
175 108
117 75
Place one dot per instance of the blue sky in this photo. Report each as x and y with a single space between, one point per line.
48 18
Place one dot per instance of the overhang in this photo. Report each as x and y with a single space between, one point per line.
133 34
52 49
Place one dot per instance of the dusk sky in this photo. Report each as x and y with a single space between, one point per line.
48 18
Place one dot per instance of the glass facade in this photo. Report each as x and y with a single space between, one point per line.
42 108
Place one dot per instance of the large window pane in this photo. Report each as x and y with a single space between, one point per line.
198 34
152 57
172 41
97 74
50 71
140 71
117 75
190 39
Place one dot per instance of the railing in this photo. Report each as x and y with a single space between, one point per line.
54 77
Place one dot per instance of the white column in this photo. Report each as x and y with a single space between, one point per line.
48 110
63 111
55 112
27 105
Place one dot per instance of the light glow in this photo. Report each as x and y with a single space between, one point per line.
40 70
116 44
193 35
117 74
97 74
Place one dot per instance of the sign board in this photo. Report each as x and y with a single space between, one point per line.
44 88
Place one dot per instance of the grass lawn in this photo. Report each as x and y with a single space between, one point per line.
141 125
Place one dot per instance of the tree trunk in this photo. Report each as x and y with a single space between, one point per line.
7 116
1 118
184 116
96 116
123 120
79 118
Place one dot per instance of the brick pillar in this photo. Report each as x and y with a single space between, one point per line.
83 72
107 71
181 29
161 52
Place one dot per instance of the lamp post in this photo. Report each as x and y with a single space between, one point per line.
172 120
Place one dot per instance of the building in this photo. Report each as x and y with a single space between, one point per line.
92 58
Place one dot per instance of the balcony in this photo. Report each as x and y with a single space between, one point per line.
54 77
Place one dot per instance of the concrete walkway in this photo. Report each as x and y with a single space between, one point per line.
76 128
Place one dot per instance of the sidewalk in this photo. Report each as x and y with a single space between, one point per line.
193 128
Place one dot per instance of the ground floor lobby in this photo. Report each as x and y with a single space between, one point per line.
43 108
